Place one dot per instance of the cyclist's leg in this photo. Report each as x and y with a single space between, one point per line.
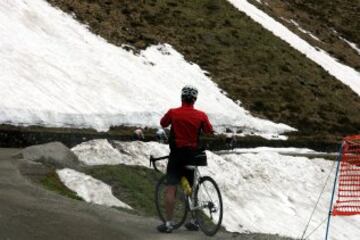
170 192
189 174
175 170
172 179
179 210
173 176
192 224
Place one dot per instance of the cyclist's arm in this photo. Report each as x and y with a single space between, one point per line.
166 119
206 126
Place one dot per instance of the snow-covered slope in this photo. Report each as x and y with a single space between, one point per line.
54 72
346 74
263 190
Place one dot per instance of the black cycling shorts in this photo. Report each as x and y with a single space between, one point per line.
176 166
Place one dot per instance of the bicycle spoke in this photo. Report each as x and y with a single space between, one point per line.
209 206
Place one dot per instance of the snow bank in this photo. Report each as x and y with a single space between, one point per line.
288 150
55 72
98 152
267 192
345 74
89 188
101 152
263 191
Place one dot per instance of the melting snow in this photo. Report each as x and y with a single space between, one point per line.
101 152
288 150
263 191
304 31
89 188
352 45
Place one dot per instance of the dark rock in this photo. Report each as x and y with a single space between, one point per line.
54 154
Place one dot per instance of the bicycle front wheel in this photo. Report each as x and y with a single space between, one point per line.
208 205
180 210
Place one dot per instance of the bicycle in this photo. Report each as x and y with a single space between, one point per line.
204 201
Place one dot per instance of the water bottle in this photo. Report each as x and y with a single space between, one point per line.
185 186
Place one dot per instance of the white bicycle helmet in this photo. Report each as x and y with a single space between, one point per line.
189 93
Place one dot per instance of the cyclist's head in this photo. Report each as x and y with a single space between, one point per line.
189 94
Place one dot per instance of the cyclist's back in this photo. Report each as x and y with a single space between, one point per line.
186 124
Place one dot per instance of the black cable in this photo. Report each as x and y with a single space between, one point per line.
307 237
315 207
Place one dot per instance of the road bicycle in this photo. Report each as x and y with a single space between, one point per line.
203 200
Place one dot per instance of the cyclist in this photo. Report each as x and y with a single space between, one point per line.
161 135
186 125
138 134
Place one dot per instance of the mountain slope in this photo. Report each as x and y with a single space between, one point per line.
269 77
65 76
331 25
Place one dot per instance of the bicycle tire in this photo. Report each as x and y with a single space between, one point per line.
181 208
204 216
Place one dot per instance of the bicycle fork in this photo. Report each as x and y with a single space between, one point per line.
208 205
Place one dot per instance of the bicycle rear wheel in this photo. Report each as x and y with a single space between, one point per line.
209 206
181 209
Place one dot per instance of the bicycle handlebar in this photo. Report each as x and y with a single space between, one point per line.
154 160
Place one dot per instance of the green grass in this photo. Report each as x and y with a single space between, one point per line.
133 185
52 182
271 79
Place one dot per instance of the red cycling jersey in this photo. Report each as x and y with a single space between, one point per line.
186 123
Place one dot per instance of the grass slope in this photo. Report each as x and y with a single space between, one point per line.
52 182
342 15
270 78
329 21
135 186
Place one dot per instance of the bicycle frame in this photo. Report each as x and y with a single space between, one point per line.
191 197
202 207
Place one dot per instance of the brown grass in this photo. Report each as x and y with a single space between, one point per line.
321 18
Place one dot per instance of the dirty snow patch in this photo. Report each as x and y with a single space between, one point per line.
102 152
304 31
288 150
98 152
352 45
89 188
